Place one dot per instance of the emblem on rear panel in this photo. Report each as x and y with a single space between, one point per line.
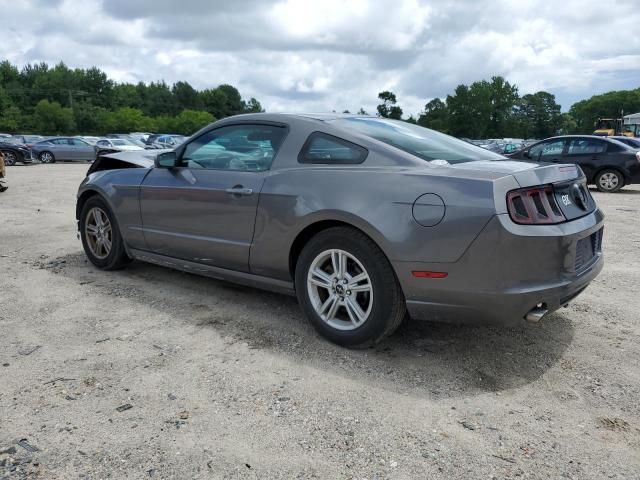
565 200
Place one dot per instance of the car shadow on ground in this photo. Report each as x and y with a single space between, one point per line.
623 191
438 360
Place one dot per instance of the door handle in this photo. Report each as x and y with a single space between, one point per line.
239 190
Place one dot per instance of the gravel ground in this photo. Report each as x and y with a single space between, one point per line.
152 373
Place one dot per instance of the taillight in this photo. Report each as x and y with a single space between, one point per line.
534 206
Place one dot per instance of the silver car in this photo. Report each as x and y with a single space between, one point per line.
63 148
364 219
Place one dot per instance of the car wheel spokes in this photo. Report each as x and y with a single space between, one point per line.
340 289
609 181
98 233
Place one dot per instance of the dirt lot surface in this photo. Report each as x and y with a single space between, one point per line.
152 373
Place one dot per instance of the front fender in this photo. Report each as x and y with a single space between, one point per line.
121 190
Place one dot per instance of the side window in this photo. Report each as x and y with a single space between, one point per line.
612 147
586 146
79 143
60 141
546 149
236 147
321 148
102 143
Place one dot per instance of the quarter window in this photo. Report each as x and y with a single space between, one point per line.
236 147
585 146
321 148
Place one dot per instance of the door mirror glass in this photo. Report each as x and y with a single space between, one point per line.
166 160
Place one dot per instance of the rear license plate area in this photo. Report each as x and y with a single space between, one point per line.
586 249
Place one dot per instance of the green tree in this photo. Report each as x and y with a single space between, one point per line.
362 111
435 116
537 116
50 118
186 96
388 107
252 106
190 121
607 105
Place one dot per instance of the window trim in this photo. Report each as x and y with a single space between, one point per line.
183 146
303 159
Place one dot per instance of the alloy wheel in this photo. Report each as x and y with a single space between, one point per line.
46 157
98 233
9 158
340 289
609 181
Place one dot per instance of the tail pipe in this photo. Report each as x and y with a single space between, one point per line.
535 314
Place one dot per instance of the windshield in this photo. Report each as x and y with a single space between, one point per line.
419 141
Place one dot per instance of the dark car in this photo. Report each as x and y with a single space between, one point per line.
14 151
631 141
363 218
607 164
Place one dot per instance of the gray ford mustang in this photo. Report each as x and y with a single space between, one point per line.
364 219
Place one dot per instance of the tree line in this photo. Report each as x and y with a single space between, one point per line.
60 100
494 109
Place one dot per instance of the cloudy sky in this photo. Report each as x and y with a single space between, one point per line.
296 55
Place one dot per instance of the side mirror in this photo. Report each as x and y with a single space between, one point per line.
166 160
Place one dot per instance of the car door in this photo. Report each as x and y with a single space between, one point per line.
587 153
203 209
551 150
82 150
66 149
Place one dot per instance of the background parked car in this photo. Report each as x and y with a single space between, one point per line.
607 163
14 152
119 144
64 148
165 140
632 142
89 139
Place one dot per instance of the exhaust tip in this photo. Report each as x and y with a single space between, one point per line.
536 313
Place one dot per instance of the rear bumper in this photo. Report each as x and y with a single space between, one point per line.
505 273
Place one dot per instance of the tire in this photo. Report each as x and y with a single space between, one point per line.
10 158
92 235
46 157
381 308
609 181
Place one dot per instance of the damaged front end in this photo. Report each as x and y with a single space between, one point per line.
107 159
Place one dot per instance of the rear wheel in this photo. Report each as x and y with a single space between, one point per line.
101 237
348 289
46 157
609 181
9 158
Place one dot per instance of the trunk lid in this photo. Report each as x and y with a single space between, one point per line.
569 183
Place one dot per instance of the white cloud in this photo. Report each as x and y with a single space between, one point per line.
327 55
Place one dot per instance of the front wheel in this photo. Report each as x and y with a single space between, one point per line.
348 289
609 181
101 237
10 158
46 157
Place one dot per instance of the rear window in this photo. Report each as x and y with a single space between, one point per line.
422 142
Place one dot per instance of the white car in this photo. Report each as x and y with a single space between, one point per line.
121 144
